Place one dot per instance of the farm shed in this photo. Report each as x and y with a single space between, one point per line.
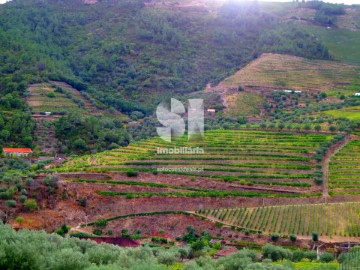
17 152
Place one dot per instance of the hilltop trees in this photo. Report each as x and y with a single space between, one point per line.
90 133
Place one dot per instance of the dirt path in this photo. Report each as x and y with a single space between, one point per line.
325 163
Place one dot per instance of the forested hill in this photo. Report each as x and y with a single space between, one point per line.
128 54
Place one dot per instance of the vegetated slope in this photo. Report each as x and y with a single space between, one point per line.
343 44
45 98
274 160
335 220
344 170
281 71
129 50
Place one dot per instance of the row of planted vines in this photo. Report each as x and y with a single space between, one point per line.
344 174
247 157
336 219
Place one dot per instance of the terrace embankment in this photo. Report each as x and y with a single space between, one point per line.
326 160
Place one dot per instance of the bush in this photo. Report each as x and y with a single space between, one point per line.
97 232
275 237
11 203
318 181
22 198
326 257
315 236
30 205
310 255
293 237
65 228
132 173
51 95
100 222
160 240
275 253
298 255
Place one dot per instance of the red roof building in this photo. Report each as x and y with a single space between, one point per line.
18 152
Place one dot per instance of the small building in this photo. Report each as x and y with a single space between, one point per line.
211 110
17 152
292 91
357 94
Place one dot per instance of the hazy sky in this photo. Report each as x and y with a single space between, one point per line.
348 2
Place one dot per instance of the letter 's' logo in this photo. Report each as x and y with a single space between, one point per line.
174 124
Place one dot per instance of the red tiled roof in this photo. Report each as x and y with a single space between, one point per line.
17 150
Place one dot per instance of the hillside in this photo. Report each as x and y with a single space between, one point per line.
270 183
284 71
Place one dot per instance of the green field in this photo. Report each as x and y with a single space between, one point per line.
345 170
336 219
352 113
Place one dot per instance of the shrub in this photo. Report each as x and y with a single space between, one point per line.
100 222
318 180
298 255
22 198
275 237
292 237
131 173
97 232
161 240
51 95
310 255
11 203
326 257
315 236
50 181
276 253
30 205
218 224
60 232
83 202
19 219
65 228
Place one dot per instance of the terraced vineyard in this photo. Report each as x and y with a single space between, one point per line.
270 159
352 113
43 98
335 219
275 70
345 170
